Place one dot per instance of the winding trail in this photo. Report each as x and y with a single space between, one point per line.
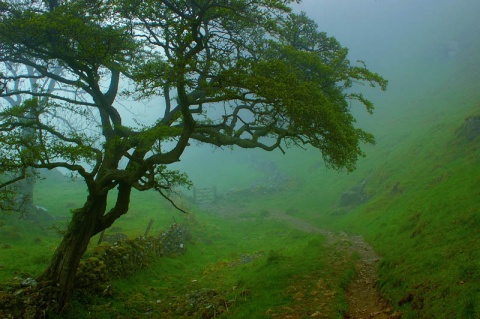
362 294
363 299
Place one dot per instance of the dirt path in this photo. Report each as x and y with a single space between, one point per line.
362 296
363 299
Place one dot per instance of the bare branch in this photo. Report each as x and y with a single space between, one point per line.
171 201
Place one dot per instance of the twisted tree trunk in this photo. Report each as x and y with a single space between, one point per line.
66 259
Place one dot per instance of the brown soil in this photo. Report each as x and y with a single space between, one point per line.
364 301
363 298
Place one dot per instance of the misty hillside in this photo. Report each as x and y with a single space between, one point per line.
421 186
277 242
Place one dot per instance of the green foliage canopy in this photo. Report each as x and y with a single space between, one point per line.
246 73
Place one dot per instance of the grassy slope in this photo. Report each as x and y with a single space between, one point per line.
427 228
423 217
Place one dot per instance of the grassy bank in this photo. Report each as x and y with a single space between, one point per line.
423 213
425 222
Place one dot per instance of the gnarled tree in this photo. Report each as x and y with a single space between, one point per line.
248 73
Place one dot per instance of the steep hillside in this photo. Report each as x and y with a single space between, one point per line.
424 221
423 213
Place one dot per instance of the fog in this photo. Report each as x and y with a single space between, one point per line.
411 43
287 236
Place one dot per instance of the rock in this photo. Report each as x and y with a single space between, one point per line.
29 282
471 127
173 239
18 292
355 196
126 256
114 238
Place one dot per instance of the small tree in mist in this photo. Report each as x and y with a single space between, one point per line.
19 196
245 73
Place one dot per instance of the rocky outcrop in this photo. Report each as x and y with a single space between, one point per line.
470 128
354 197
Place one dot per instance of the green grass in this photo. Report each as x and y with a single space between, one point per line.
24 248
423 217
277 257
423 220
276 266
434 229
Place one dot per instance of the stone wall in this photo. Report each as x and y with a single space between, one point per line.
31 300
125 257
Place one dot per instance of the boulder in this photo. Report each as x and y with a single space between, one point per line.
354 197
471 127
